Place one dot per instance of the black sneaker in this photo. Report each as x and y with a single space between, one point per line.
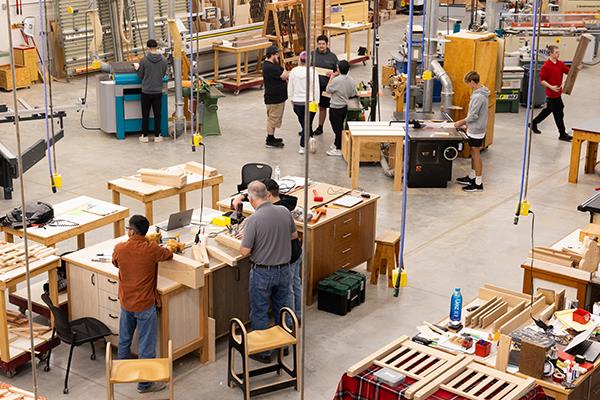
318 131
465 180
534 128
272 142
473 187
278 139
565 138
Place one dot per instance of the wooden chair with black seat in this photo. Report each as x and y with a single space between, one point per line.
278 337
254 172
75 333
138 370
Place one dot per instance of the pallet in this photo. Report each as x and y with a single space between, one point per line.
477 382
12 256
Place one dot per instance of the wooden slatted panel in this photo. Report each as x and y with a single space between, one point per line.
505 392
414 361
395 354
460 378
428 369
492 389
470 382
482 385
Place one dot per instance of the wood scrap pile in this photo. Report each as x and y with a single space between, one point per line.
12 255
18 326
10 392
163 177
564 257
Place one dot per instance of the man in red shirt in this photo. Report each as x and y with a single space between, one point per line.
137 260
551 76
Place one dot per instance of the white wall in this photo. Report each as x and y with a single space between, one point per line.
30 9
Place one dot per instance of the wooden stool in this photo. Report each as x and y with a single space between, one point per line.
246 344
387 247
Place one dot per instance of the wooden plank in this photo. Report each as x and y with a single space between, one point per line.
584 41
220 255
481 385
493 315
523 316
509 315
212 357
460 378
469 382
229 241
197 168
163 177
572 273
476 320
469 317
199 253
367 361
492 389
183 270
512 293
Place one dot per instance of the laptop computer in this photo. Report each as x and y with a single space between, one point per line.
581 345
177 220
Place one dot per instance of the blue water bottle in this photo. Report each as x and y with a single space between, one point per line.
456 307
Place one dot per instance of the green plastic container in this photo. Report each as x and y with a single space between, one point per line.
339 293
507 101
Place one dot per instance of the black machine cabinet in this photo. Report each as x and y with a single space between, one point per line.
432 149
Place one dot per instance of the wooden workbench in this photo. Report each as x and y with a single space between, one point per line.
585 131
147 193
93 291
344 238
250 79
375 132
347 29
73 212
14 353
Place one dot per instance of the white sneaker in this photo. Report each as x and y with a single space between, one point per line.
312 145
301 151
334 152
158 139
144 139
332 147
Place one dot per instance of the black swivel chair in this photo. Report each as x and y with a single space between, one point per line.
254 172
75 333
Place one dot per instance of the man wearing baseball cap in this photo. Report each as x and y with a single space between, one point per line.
275 83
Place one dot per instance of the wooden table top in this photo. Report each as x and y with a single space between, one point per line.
17 275
348 26
82 210
242 49
376 129
329 192
133 186
590 126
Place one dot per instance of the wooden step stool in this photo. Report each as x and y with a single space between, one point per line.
387 247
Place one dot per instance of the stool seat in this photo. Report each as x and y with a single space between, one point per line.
140 370
269 339
388 237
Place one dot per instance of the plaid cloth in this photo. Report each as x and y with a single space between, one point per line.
365 387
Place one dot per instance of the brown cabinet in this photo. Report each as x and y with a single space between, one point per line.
229 296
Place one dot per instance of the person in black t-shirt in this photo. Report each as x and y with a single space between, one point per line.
324 58
275 82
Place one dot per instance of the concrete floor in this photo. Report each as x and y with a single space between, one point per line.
453 239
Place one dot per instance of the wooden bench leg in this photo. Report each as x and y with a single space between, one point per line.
574 164
376 265
392 256
591 155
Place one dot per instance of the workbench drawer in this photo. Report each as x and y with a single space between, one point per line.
110 318
346 224
109 301
108 284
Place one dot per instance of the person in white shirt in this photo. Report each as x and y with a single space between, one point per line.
297 95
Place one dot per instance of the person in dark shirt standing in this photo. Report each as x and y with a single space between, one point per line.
324 58
275 82
551 76
151 71
137 260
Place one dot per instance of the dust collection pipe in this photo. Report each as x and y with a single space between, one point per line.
179 122
430 47
447 88
23 205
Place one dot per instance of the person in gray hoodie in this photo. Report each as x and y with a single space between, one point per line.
151 71
476 125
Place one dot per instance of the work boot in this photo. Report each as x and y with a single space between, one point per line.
273 142
534 128
565 137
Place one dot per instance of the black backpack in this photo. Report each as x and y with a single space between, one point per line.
38 213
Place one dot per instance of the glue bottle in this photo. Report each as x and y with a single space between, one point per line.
277 173
456 307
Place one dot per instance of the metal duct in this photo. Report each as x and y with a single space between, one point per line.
447 88
429 51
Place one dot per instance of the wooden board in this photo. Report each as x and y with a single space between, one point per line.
220 255
503 354
183 270
470 318
584 41
229 241
487 319
163 177
523 316
508 316
195 167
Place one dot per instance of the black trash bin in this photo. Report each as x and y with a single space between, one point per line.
540 94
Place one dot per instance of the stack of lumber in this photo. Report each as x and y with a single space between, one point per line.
10 392
248 41
18 326
561 257
12 255
194 167
163 177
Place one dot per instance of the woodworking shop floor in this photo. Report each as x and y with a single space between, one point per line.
453 239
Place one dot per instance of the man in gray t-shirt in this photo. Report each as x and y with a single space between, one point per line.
341 88
266 238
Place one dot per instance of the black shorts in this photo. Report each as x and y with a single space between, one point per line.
476 142
324 101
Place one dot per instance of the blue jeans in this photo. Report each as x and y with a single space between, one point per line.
146 322
268 286
296 286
